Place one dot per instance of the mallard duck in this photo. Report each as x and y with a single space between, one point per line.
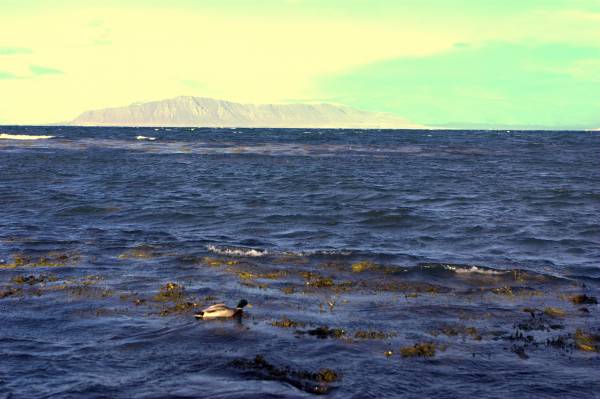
221 311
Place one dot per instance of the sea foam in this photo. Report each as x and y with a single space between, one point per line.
233 251
473 269
7 136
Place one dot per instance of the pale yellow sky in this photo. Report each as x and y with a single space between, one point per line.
60 58
109 57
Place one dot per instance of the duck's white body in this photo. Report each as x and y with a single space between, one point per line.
218 311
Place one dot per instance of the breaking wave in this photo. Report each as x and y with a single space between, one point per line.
237 251
473 269
7 136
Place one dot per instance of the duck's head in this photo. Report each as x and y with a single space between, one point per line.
242 303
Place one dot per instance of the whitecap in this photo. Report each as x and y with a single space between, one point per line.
233 251
473 269
7 136
320 252
145 138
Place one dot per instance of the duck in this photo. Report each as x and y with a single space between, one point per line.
219 311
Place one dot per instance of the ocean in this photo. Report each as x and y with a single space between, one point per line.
378 263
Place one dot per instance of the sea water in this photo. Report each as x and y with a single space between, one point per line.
352 246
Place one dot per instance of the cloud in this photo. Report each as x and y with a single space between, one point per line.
14 50
40 70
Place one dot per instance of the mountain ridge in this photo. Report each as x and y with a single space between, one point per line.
190 111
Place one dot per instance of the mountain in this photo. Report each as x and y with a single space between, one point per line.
208 112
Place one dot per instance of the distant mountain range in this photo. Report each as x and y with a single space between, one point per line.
208 112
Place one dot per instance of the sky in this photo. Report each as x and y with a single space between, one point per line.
440 63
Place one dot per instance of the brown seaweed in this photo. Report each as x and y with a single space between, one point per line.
324 332
311 382
422 349
583 300
287 323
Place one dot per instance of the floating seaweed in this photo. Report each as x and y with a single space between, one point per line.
506 291
321 282
538 322
288 290
170 292
309 275
559 342
360 267
251 284
87 291
293 259
216 262
140 252
554 312
361 334
586 342
19 260
518 335
583 300
52 259
173 293
10 292
179 308
457 330
410 287
516 291
424 349
32 280
287 323
247 275
520 352
324 332
317 281
311 382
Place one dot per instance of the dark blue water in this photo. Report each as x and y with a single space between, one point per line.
456 232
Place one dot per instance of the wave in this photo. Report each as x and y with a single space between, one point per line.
237 251
7 136
473 269
321 253
255 252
